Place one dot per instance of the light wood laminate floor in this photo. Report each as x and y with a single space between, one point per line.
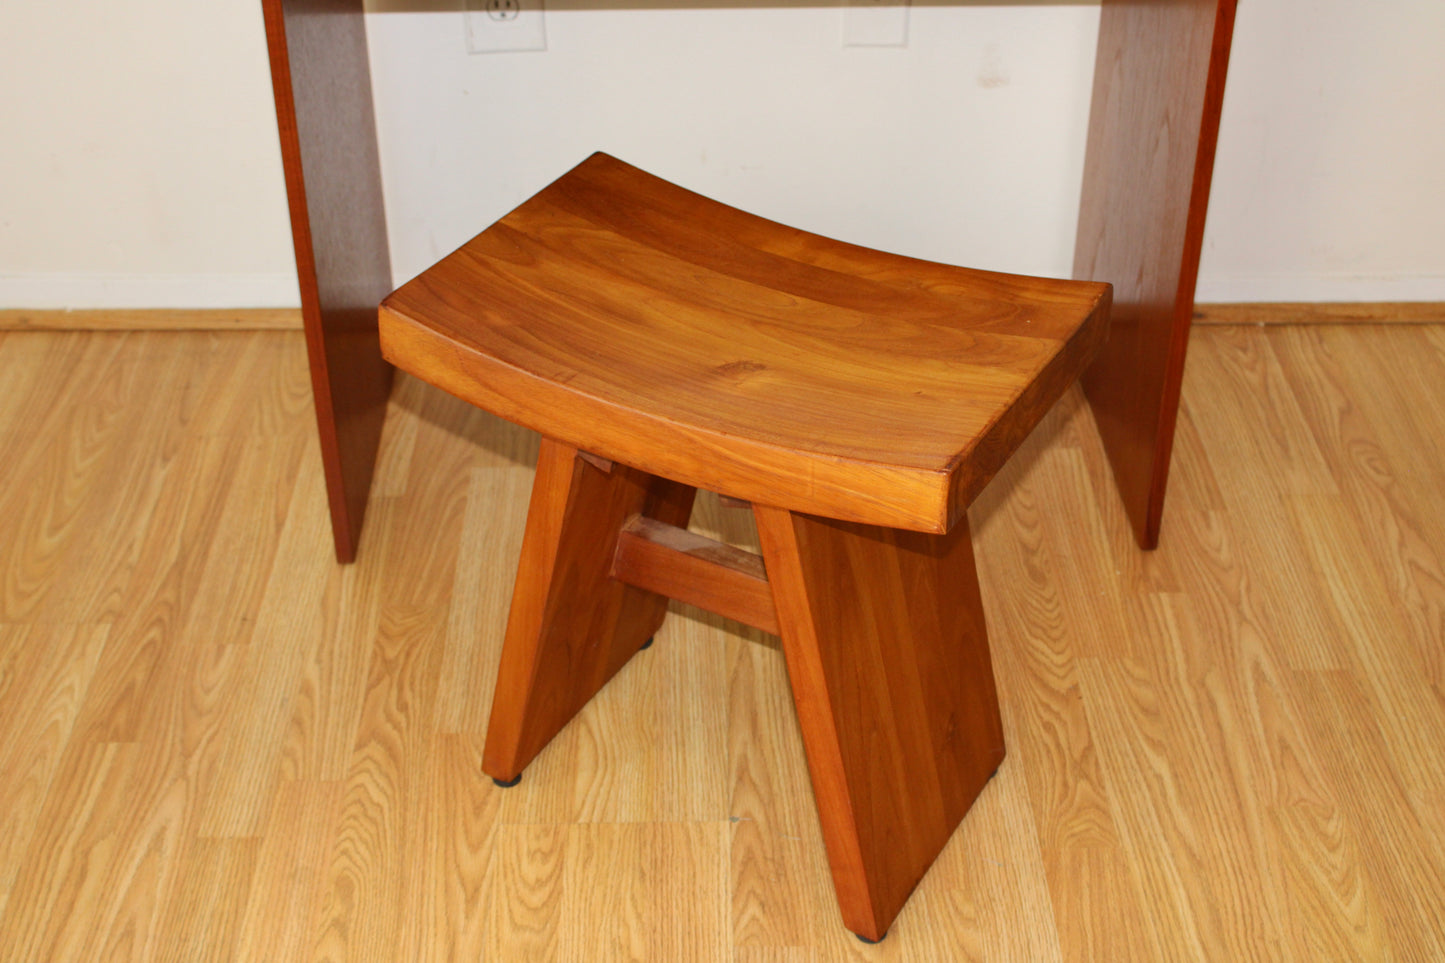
217 744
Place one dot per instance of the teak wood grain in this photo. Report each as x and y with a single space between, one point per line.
1153 125
653 326
692 568
320 76
884 636
572 625
883 631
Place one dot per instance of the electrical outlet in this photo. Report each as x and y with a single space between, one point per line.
498 26
875 23
503 10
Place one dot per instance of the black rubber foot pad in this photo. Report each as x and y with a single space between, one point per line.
507 785
864 939
647 644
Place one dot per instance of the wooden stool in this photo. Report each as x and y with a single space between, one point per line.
662 342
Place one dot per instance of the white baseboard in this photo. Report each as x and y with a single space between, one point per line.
1333 288
83 291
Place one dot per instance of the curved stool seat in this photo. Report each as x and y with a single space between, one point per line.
653 326
661 342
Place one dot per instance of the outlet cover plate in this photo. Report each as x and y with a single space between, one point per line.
501 26
875 23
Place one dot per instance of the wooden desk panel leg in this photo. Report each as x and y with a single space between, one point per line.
1154 121
322 82
572 626
886 647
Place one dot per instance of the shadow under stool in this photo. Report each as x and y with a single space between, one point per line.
662 342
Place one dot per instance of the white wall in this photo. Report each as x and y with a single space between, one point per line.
1330 177
966 146
139 164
